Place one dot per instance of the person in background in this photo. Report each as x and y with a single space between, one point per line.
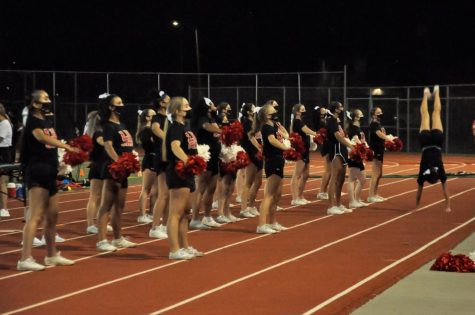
6 134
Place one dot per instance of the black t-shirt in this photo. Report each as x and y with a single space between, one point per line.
98 152
375 142
269 150
157 141
356 131
147 140
334 126
431 158
246 143
297 125
32 149
121 139
188 142
206 137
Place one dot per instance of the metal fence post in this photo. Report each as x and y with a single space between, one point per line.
158 81
237 101
54 99
408 125
107 82
209 86
284 101
256 90
447 114
397 116
298 86
345 105
75 97
329 96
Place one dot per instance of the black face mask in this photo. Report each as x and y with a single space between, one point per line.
380 116
213 114
229 114
189 114
275 117
46 108
119 110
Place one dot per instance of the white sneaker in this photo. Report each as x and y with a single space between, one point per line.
355 204
434 90
334 210
190 250
144 219
254 211
345 209
427 92
381 198
158 232
363 204
109 228
246 214
232 218
105 246
238 199
58 260
180 254
123 243
279 208
197 225
265 229
36 242
322 196
92 229
305 200
373 199
297 202
29 264
57 239
214 205
209 221
277 227
4 213
222 219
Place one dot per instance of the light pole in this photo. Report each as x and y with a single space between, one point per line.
177 24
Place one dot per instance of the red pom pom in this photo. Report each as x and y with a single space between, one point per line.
124 166
321 136
292 155
453 263
361 152
83 142
394 146
259 156
232 133
242 161
195 165
73 158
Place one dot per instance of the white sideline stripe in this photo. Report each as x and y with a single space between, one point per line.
198 296
209 252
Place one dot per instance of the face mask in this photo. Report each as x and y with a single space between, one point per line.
189 114
46 108
119 110
380 116
275 117
229 114
213 113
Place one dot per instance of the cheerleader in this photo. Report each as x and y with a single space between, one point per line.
207 132
117 140
377 137
357 176
39 157
144 137
323 115
251 142
160 126
273 147
6 133
300 176
227 178
180 143
431 168
338 155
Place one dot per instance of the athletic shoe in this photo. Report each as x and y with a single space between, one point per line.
180 254
279 208
144 219
109 228
305 200
297 202
238 199
214 205
105 246
427 92
29 264
322 196
92 229
363 204
334 210
57 239
434 90
209 221
58 260
232 218
277 227
223 219
190 250
355 204
374 199
4 213
254 211
197 225
265 229
381 198
158 232
345 209
246 214
123 243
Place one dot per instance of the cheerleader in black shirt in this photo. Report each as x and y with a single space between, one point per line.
273 147
377 137
357 176
323 115
338 154
300 176
180 143
160 126
117 140
144 137
39 156
251 142
431 139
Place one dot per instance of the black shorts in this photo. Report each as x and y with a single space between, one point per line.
213 165
434 137
359 165
5 158
340 150
159 165
41 174
174 181
275 166
223 172
107 175
379 155
148 162
259 164
324 148
95 170
306 156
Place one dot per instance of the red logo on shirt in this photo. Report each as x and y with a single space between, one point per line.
192 142
127 140
52 133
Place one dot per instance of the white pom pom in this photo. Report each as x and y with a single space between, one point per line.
203 151
136 154
228 154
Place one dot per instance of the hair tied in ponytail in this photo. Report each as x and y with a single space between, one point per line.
140 112
207 101
348 114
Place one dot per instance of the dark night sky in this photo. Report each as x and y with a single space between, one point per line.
382 42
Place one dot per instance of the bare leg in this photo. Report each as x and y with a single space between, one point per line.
50 226
425 123
147 182
160 210
94 201
375 176
303 180
270 190
340 182
326 174
255 188
116 219
359 185
436 121
294 182
275 202
3 189
207 199
38 198
201 183
109 191
353 175
335 179
178 202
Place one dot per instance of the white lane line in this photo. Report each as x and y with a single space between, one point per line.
209 252
296 258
